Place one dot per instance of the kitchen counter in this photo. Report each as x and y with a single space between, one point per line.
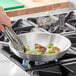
8 68
33 7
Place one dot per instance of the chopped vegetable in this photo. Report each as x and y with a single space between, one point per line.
50 46
50 51
39 49
56 49
40 53
27 48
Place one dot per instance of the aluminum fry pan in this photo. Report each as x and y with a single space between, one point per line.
44 39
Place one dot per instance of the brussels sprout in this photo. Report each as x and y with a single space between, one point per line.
50 51
39 49
27 48
40 53
50 45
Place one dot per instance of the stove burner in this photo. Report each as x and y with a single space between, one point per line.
22 26
36 63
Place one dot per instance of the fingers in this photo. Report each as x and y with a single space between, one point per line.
4 19
2 28
8 23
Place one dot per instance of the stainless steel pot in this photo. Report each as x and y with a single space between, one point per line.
44 39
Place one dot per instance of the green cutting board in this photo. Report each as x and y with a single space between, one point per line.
10 4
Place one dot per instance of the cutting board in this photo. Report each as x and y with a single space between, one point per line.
36 7
11 4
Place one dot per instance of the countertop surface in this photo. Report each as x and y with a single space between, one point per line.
8 68
35 7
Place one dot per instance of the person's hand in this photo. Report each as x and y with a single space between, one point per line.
4 19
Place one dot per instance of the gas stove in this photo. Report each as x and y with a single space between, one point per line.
62 67
63 24
59 23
